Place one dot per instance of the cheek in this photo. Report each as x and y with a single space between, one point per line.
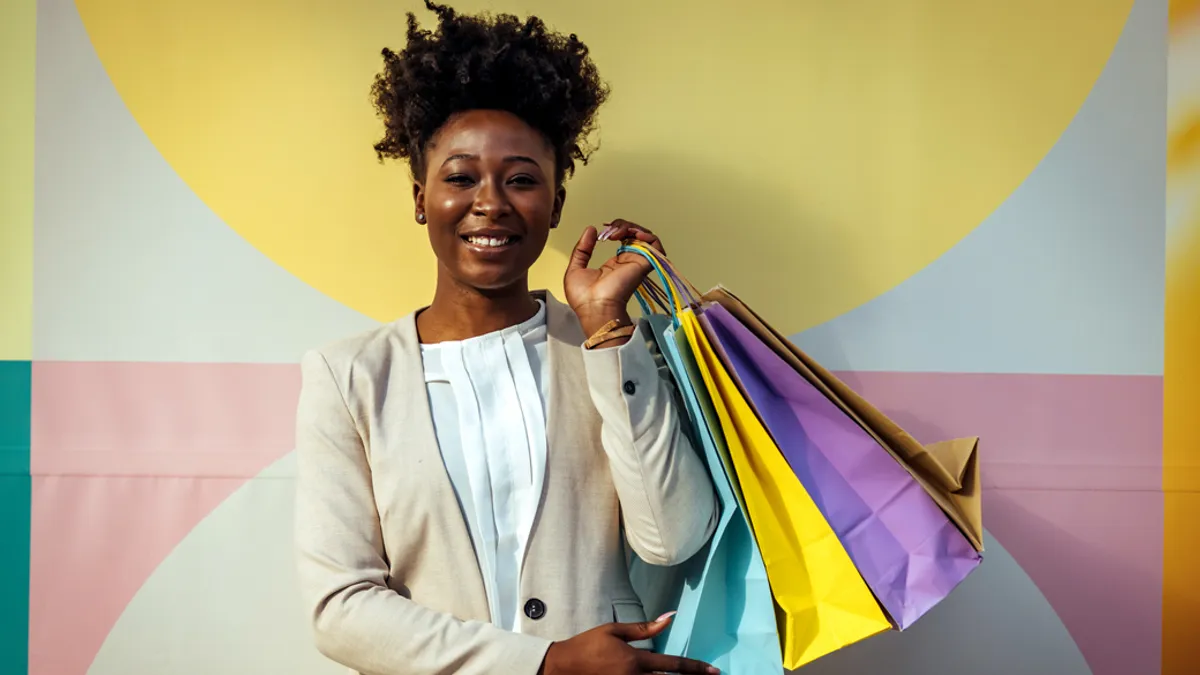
447 205
441 223
536 207
444 242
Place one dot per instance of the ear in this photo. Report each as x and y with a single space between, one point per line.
418 201
560 199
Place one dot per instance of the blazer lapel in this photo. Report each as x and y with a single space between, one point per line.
411 376
563 339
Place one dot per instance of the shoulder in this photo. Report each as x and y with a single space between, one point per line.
561 322
367 351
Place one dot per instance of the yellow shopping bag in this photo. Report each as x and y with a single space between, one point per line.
823 602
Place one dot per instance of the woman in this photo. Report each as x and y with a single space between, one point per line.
469 475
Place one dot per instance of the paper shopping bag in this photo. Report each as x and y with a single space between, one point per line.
948 471
905 547
823 602
726 615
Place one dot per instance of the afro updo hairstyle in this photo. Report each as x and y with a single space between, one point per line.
488 62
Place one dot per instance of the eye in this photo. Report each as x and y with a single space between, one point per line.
523 179
459 179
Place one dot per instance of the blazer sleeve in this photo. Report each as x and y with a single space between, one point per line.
357 619
667 499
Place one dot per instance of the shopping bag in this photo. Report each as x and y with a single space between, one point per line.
725 612
948 470
823 604
905 547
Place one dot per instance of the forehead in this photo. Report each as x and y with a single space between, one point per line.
490 133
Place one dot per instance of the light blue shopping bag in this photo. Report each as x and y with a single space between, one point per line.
726 615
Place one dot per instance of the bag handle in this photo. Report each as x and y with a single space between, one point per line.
671 282
654 292
650 292
673 305
681 284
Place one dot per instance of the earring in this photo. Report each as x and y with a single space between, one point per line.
421 218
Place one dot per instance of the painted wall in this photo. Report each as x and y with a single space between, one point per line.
959 205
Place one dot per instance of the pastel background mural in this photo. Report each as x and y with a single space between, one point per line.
983 214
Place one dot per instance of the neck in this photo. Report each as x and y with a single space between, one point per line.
460 312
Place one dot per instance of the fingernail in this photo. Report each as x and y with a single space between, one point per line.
714 671
664 617
605 234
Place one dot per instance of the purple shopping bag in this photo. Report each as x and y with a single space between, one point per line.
905 547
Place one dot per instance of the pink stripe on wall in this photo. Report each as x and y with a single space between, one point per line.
161 419
126 459
1072 475
1073 432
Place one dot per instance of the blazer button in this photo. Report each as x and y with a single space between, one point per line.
535 609
630 388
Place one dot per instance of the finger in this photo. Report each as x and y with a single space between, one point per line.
582 254
650 662
630 225
633 632
620 229
623 230
643 630
649 238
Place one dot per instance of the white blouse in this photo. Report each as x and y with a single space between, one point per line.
488 399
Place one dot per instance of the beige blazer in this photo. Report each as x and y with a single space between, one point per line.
386 565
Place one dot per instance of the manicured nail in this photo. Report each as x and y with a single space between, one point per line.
664 617
605 233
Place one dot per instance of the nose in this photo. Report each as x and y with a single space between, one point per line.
490 201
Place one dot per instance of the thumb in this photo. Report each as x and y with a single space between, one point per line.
583 250
632 632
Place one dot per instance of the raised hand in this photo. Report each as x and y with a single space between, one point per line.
599 295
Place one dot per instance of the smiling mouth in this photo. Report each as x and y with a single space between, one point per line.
491 242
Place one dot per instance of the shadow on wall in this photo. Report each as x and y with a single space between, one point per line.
995 623
726 213
1111 607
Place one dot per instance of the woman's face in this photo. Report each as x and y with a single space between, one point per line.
489 198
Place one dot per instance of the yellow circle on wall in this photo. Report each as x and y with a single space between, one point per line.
809 154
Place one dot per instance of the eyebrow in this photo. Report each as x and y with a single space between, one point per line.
508 160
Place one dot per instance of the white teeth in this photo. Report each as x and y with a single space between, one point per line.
489 241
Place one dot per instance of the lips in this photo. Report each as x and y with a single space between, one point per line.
491 241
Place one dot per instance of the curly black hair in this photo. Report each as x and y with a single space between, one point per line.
496 62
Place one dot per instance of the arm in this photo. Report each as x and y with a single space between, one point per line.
667 499
357 619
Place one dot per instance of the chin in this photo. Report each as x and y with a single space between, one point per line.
493 282
492 275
